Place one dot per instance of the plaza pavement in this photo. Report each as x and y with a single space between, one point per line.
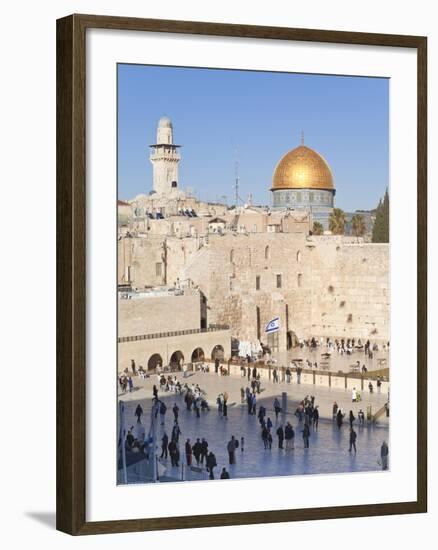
328 451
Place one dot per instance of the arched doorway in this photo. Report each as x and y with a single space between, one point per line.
154 361
175 359
217 352
198 355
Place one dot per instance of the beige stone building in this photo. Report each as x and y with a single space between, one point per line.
240 268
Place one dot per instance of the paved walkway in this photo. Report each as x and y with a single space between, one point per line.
328 451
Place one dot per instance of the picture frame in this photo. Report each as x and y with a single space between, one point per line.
72 268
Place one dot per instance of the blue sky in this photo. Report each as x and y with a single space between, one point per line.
261 115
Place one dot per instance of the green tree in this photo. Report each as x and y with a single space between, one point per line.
318 228
358 226
381 222
337 221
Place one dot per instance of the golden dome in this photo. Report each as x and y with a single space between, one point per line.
302 168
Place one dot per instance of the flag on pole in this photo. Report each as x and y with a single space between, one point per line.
273 325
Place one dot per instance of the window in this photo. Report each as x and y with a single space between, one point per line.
158 269
300 279
258 282
267 253
298 256
278 281
231 256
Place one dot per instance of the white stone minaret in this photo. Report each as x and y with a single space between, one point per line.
165 159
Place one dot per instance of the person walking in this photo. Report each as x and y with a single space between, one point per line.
130 384
384 455
134 372
361 417
164 444
231 448
254 404
265 433
204 450
351 418
176 432
189 453
335 410
261 415
220 401
277 408
379 384
269 424
280 434
242 395
289 436
315 417
353 437
339 418
196 449
163 410
139 412
174 453
225 474
306 435
211 464
225 405
175 410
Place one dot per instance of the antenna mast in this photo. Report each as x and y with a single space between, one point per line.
236 182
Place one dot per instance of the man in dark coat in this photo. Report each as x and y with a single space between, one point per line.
188 453
211 464
280 433
164 443
306 434
339 418
174 453
204 450
231 448
353 437
197 448
139 412
225 474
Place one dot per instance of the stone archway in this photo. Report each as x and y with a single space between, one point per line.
198 355
175 359
155 360
217 352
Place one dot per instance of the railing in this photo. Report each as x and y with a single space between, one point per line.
383 410
168 334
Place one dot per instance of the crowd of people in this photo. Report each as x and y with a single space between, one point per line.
197 453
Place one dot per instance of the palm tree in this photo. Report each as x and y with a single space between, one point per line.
337 221
358 226
318 228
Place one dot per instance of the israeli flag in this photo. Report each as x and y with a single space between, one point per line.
273 325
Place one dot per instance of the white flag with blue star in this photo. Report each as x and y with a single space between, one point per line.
273 325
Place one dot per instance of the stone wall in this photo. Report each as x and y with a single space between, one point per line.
318 286
153 314
327 287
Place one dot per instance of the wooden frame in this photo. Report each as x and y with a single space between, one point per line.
71 269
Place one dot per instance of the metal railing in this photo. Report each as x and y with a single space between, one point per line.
168 334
